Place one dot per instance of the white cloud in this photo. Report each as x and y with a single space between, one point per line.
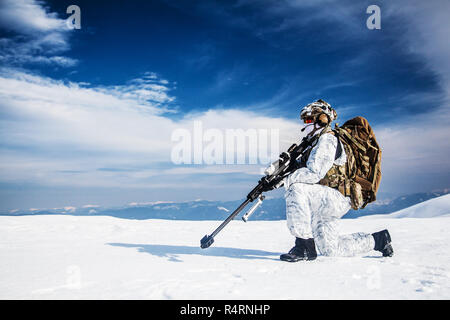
427 24
413 146
417 146
99 118
61 133
28 16
148 89
40 36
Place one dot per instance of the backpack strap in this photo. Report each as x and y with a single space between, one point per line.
338 148
312 142
348 136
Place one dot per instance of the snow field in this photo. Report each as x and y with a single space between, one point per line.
99 257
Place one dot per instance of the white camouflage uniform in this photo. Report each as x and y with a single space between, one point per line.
313 210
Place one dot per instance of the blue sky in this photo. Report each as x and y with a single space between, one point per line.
225 54
86 115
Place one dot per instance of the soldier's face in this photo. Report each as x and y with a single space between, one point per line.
308 128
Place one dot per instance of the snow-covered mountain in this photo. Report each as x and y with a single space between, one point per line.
387 206
436 207
100 257
271 209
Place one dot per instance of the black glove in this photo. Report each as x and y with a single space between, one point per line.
266 185
297 164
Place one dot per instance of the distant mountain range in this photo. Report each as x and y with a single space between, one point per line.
396 204
271 209
436 207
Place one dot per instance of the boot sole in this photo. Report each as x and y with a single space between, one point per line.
296 259
388 251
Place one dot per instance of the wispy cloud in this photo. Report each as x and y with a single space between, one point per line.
414 146
40 35
51 129
426 27
282 23
61 133
147 90
28 17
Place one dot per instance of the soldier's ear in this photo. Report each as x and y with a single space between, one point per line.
323 120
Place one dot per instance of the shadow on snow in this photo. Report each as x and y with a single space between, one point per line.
173 252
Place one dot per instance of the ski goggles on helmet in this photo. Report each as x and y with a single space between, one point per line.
308 120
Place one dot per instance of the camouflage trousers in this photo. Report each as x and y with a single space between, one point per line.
313 211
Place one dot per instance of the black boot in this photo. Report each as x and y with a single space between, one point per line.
305 249
383 243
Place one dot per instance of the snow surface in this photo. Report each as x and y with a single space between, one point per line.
100 257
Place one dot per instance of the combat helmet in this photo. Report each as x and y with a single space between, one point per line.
319 112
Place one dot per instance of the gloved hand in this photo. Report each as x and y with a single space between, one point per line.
296 164
272 185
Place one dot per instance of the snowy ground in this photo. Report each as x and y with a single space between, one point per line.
67 257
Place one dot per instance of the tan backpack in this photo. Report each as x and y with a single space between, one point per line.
360 177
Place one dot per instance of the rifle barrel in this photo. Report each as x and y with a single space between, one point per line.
230 217
284 162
